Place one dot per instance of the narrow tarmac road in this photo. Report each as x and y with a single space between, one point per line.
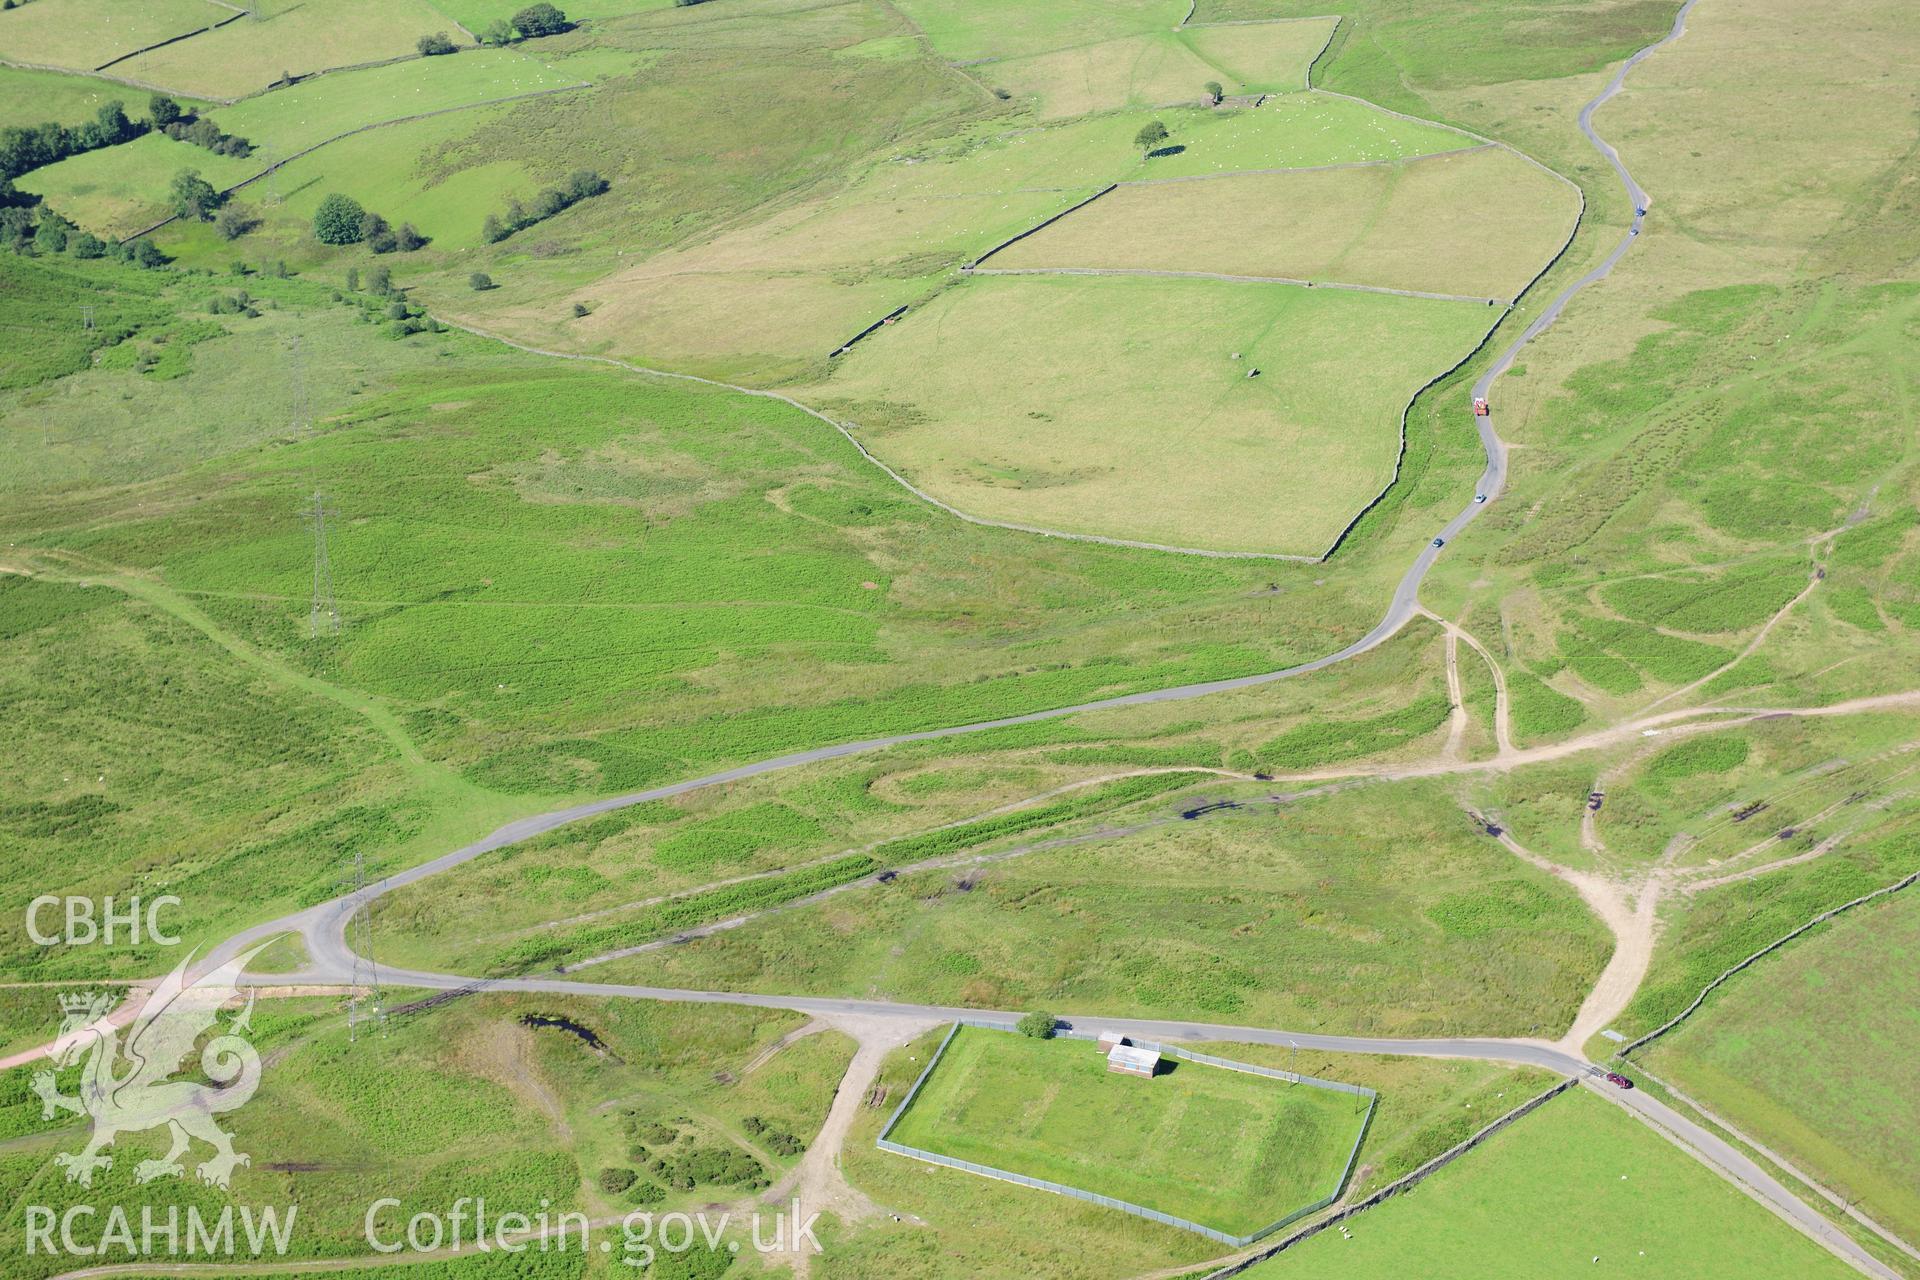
324 926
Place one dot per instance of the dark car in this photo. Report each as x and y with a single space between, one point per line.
1439 542
1618 1081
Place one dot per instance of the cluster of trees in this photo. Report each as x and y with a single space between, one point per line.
530 23
580 185
402 317
778 1141
183 126
51 234
237 303
340 220
24 147
712 1166
434 45
193 197
617 1181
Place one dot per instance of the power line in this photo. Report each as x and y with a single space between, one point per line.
366 971
324 617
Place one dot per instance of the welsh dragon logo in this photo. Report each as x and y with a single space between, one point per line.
138 1095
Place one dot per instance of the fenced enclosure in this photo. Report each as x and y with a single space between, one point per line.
887 1143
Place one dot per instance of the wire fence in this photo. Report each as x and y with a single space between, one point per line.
885 1143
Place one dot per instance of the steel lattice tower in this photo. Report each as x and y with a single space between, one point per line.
366 970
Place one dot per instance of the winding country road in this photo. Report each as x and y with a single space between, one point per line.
331 960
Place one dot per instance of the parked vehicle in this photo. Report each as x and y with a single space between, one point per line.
1618 1081
1480 409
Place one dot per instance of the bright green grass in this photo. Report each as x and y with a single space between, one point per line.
1270 58
45 336
1115 406
1417 226
290 120
31 97
1812 1053
1298 130
291 36
83 34
531 556
1230 1150
962 1224
115 191
1273 918
123 188
1578 1179
1394 51
1161 67
207 772
462 1099
113 425
964 30
390 169
476 14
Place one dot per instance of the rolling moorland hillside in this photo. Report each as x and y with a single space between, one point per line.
599 578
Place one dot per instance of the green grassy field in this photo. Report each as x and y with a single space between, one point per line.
475 14
30 97
1230 1150
1160 68
1423 928
83 34
290 120
596 885
1417 226
963 32
964 1224
477 646
1811 1051
502 1097
115 425
1081 429
1578 1179
121 189
116 191
289 37
1271 58
1299 130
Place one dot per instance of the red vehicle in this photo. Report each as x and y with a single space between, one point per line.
1480 409
1619 1081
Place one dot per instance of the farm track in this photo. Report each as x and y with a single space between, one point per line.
324 927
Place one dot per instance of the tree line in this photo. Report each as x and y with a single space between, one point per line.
580 185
